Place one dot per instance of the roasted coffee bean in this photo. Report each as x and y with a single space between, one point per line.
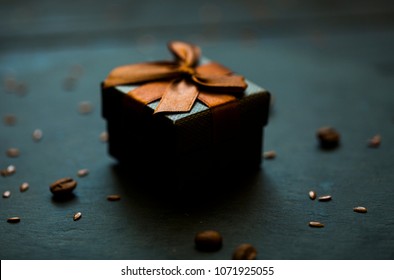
11 169
6 194
63 186
113 197
37 135
325 198
82 172
328 137
13 152
104 136
375 141
9 120
208 240
8 171
85 107
360 209
269 155
24 187
77 216
14 220
12 85
316 224
245 252
312 195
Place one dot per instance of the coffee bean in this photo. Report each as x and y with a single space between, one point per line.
63 186
208 240
312 195
113 197
328 137
13 152
360 209
9 120
77 216
316 224
269 155
6 194
104 136
375 141
8 171
24 187
325 198
245 252
85 107
82 172
11 169
37 135
12 85
14 220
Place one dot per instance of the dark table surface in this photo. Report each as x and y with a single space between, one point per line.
330 63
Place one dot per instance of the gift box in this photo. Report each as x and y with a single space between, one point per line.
183 120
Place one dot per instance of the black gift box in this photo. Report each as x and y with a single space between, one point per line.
185 147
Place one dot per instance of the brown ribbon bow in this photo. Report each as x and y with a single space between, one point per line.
178 83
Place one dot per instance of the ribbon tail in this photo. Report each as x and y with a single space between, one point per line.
141 73
149 92
211 99
179 97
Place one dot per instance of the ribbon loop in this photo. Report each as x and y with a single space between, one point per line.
187 54
231 84
141 72
212 68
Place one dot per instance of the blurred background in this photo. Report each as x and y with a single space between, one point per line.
49 24
326 62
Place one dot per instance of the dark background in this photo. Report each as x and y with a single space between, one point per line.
325 62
